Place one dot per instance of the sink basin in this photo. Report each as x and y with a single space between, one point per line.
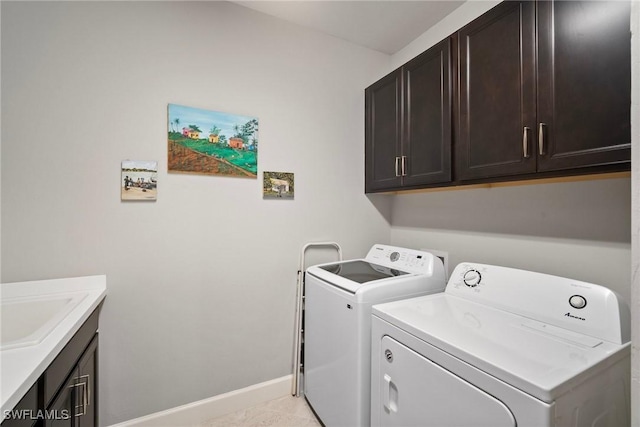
27 321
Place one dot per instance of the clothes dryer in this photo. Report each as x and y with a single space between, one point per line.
502 347
337 331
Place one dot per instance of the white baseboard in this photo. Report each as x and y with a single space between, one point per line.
193 414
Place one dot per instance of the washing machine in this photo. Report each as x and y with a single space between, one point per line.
337 325
502 347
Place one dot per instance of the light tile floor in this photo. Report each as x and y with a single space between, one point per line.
286 411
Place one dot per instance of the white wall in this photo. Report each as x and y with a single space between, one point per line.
201 283
460 17
0 145
552 228
635 220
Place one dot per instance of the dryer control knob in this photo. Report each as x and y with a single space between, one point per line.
578 301
472 278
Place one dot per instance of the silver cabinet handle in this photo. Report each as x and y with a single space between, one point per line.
87 381
525 142
79 408
403 167
397 167
83 382
541 128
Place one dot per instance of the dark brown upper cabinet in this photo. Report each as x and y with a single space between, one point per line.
533 89
408 123
497 99
383 111
564 106
584 84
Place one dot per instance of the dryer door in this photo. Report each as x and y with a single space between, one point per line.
417 392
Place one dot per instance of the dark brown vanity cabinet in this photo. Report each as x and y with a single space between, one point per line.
25 409
408 124
75 404
564 105
65 395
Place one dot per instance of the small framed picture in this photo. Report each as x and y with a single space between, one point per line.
277 185
139 180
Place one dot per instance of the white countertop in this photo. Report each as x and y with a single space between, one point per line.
21 367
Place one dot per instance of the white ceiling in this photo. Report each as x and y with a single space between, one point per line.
384 25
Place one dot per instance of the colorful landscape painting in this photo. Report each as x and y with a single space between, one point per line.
139 180
276 185
212 142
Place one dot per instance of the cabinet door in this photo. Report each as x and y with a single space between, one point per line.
61 412
382 133
87 415
497 103
27 408
426 144
76 402
584 83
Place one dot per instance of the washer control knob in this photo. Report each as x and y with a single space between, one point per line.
394 256
472 278
578 301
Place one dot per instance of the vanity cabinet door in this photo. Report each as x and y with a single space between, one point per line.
87 405
61 413
76 402
584 84
24 412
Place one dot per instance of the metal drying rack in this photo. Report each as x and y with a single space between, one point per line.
298 366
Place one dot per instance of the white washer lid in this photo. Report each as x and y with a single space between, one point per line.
383 263
542 360
354 275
